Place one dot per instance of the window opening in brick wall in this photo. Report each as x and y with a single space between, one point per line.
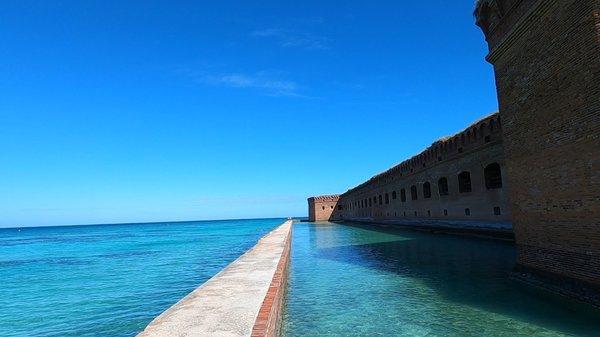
464 182
427 190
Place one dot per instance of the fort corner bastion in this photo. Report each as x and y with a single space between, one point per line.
324 208
531 169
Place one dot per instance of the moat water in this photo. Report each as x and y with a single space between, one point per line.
373 281
110 280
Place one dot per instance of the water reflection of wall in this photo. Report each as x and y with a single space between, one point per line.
411 281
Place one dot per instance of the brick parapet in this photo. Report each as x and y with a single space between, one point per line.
325 198
443 150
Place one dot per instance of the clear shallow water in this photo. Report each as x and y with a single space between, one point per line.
372 281
110 280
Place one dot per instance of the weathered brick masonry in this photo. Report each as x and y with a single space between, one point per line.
322 208
456 178
546 56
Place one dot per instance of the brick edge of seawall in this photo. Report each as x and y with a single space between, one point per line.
269 320
214 308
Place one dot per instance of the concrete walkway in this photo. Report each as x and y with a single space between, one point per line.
227 304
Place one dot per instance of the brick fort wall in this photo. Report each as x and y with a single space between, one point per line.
456 178
323 208
546 58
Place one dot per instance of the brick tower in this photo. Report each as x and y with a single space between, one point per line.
546 57
324 208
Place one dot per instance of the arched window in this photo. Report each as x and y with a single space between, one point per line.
413 192
403 195
493 176
387 198
370 202
443 186
394 195
464 182
380 200
427 190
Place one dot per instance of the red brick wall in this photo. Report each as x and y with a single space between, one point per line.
468 151
323 208
546 56
268 322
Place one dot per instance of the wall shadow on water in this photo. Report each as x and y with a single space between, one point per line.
466 270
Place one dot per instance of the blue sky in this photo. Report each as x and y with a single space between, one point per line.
134 111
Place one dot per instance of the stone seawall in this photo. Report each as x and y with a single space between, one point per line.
244 299
268 322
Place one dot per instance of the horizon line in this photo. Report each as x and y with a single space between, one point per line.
149 222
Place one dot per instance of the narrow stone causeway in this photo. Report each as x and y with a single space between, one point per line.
229 303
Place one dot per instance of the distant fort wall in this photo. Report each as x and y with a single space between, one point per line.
456 178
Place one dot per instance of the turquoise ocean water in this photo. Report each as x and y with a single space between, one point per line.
110 280
373 281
